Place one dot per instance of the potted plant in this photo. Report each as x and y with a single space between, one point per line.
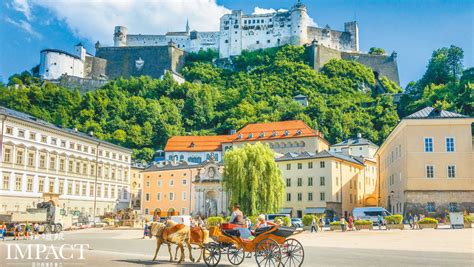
428 223
467 221
336 225
363 224
395 222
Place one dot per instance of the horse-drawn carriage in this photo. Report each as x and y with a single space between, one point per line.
270 245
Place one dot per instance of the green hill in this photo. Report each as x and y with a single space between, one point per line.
142 113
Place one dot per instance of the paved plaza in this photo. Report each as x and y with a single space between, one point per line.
428 247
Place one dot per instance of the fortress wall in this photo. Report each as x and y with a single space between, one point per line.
122 61
330 38
94 67
382 64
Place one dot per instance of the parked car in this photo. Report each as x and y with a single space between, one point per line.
297 222
369 213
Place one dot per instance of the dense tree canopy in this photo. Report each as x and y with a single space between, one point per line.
252 179
141 113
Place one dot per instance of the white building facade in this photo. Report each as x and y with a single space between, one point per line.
238 32
38 158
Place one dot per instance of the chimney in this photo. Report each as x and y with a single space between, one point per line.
232 131
359 135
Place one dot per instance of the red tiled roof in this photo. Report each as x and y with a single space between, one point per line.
276 130
196 143
270 130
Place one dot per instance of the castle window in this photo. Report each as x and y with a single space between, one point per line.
226 41
268 41
253 21
258 42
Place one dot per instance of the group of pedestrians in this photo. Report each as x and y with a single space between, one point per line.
414 219
315 226
27 231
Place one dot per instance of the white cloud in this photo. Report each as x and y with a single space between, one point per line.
23 7
95 20
257 11
22 24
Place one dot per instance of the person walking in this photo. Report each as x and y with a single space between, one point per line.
321 223
351 222
343 224
3 231
313 225
380 221
27 231
415 222
146 230
410 220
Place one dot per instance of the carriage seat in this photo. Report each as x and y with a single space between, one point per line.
231 232
263 229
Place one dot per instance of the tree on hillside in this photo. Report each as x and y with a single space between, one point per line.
253 179
376 51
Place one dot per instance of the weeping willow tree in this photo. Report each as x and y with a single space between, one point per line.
252 179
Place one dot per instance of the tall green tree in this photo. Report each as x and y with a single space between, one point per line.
253 179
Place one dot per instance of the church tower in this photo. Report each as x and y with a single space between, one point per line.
120 36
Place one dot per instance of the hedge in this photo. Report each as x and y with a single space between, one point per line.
428 220
214 221
308 219
363 222
394 219
337 223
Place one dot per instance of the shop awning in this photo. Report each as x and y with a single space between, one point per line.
314 210
285 210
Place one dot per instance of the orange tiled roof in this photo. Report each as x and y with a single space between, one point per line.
196 143
270 130
275 130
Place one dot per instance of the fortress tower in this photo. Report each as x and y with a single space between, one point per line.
120 36
353 29
299 24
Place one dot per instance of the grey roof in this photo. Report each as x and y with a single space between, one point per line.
60 51
322 154
170 165
31 119
300 96
433 113
357 141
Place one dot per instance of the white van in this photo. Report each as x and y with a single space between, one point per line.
184 219
369 213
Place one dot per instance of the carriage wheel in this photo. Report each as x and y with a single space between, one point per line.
292 253
268 253
212 254
236 256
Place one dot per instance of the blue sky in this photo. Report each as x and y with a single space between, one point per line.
412 28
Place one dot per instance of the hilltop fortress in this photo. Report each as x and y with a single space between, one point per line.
153 55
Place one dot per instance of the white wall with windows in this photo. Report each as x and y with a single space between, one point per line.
38 158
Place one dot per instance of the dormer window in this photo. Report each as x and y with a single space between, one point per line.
250 135
262 135
286 133
239 136
298 132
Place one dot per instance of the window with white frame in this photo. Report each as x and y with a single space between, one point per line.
171 196
429 171
451 171
183 195
300 196
158 196
428 144
171 183
449 144
322 196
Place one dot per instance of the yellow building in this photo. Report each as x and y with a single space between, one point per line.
427 164
136 186
326 182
